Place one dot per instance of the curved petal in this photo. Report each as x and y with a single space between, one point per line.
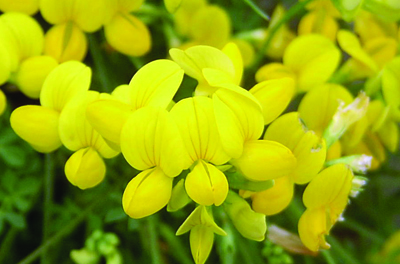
28 7
150 138
265 160
274 71
3 102
32 73
206 185
274 96
108 117
65 42
197 125
195 59
318 22
38 126
201 242
330 186
128 35
275 199
234 53
155 84
5 64
85 168
67 81
147 193
211 26
312 229
76 132
391 86
319 105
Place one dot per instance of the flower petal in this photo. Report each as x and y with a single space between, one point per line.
147 193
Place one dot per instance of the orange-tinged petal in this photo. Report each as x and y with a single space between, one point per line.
275 199
85 168
265 160
206 185
67 81
38 126
147 193
65 42
155 84
128 35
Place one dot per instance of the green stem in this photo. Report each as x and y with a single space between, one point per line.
328 257
99 63
155 252
7 243
48 201
294 10
178 249
256 9
342 252
363 231
63 232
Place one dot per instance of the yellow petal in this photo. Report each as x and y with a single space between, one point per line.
108 118
122 93
32 73
246 50
147 193
232 50
38 126
67 81
335 151
195 59
87 15
330 186
265 160
172 5
28 7
351 45
313 66
184 15
274 96
206 185
5 64
382 50
65 42
312 229
274 71
150 138
275 199
368 27
85 168
155 84
3 102
197 125
389 135
23 33
319 105
128 35
238 120
320 23
76 132
211 26
391 86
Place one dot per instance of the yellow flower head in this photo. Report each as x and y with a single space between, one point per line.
325 199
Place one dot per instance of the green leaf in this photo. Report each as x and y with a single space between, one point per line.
114 215
15 219
13 155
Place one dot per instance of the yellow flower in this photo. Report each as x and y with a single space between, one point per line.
125 32
38 125
28 7
205 184
318 22
325 198
154 84
85 168
310 67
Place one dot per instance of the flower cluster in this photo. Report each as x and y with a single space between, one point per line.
227 146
